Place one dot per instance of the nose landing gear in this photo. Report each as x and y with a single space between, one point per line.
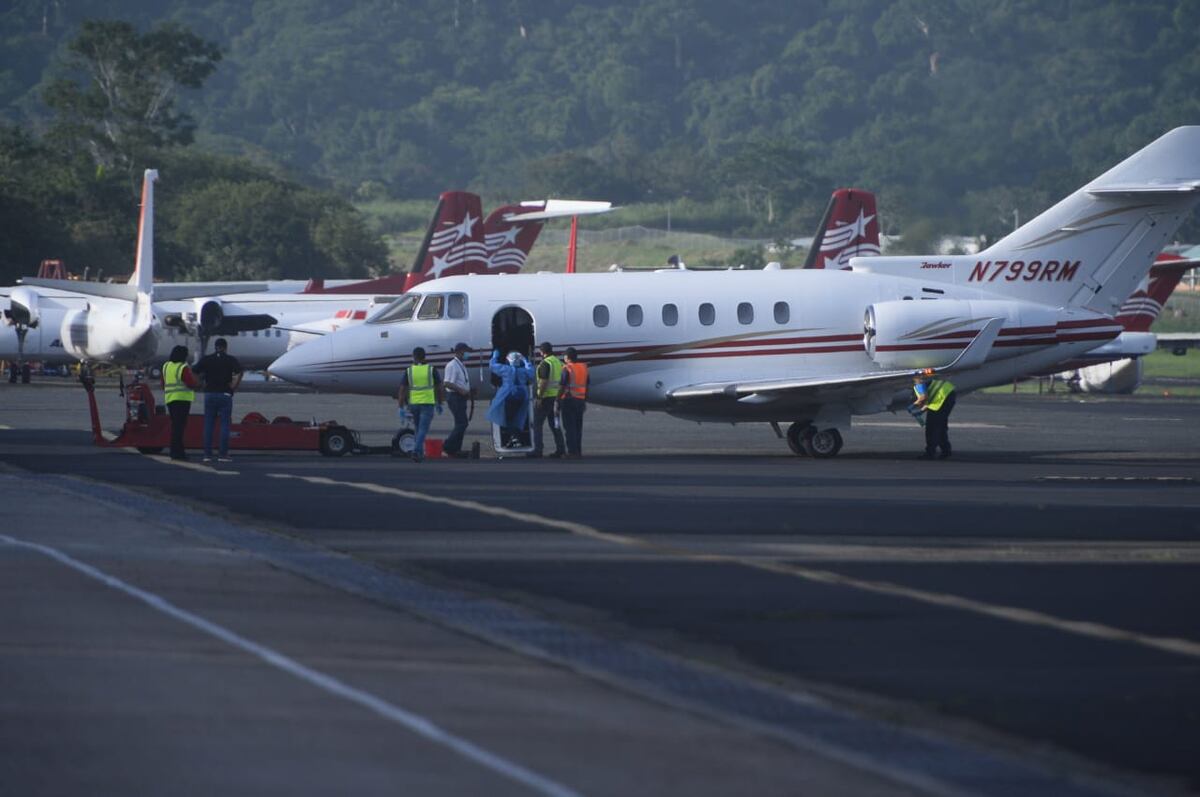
804 439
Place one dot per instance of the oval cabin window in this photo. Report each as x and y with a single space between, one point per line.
708 314
600 315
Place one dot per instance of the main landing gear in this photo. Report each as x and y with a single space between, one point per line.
804 439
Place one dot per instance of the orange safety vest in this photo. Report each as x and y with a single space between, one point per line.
577 380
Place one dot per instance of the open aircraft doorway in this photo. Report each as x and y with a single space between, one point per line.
512 330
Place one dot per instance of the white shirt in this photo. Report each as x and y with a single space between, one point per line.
455 376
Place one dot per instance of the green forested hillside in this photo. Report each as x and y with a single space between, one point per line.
962 111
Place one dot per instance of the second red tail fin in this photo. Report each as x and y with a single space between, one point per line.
850 228
1142 308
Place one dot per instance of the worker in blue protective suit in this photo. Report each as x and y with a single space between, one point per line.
510 406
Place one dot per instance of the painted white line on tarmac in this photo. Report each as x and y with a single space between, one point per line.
1139 418
412 721
5 426
199 467
1183 647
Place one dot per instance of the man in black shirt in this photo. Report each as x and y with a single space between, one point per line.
222 374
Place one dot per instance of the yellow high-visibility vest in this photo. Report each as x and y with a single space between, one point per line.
176 389
420 384
939 391
552 385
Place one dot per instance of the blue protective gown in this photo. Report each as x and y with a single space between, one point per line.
513 382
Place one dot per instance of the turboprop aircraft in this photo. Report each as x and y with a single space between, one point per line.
809 347
62 321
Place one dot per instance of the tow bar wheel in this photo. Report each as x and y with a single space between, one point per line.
404 443
823 444
336 442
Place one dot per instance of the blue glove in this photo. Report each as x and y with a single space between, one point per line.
402 414
439 409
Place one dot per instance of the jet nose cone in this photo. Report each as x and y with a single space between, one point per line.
306 364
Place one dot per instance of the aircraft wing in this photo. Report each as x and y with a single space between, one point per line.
823 389
122 290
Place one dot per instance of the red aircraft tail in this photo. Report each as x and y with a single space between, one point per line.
1143 307
850 228
509 242
453 244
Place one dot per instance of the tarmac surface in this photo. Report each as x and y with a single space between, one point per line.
688 609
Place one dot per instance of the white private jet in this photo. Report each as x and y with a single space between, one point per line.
810 347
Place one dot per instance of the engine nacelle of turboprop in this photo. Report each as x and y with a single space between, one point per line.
931 333
23 308
74 334
209 315
109 334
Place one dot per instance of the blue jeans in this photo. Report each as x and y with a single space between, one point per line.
217 404
422 417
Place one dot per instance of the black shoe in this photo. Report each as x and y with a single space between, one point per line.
557 455
944 455
417 458
925 456
179 457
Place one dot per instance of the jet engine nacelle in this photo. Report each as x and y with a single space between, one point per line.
23 308
931 333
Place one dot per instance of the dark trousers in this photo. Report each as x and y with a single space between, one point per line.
572 421
543 411
937 427
458 408
512 411
179 411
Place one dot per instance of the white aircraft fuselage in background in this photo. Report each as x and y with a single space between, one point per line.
808 346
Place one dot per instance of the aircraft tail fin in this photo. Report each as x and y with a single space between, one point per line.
508 240
849 228
454 241
1091 249
143 272
1094 247
1144 306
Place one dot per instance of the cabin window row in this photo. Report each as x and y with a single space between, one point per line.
706 314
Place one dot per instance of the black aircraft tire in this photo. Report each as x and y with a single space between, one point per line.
404 442
336 442
795 437
824 444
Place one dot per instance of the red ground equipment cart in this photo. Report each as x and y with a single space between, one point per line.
148 428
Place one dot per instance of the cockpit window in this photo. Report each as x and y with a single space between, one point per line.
399 310
432 307
456 305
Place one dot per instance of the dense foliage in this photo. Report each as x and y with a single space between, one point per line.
969 112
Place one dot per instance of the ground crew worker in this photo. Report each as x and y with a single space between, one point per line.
510 406
573 401
178 382
420 392
222 374
549 383
458 389
938 401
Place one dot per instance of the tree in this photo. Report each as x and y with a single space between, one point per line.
126 107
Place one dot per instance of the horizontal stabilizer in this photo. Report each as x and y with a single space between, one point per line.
1147 189
559 208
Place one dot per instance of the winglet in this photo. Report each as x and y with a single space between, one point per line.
977 350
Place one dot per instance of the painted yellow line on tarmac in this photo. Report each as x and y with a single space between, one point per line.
1183 647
